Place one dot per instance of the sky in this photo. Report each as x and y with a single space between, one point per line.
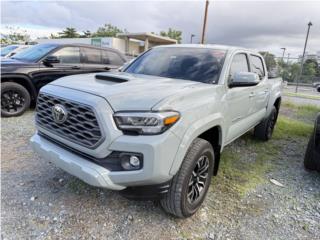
261 25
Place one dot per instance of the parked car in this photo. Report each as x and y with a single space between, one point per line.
312 155
26 72
316 85
156 130
11 50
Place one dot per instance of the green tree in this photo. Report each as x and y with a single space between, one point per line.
69 32
270 60
172 33
310 68
107 30
86 34
291 72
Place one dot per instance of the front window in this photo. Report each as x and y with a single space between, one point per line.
6 50
35 53
195 64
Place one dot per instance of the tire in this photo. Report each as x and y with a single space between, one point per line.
264 130
318 89
183 199
15 99
309 158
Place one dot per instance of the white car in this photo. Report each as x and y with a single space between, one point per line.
157 129
11 50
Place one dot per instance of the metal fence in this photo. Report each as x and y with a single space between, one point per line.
290 71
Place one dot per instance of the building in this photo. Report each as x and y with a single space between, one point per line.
131 44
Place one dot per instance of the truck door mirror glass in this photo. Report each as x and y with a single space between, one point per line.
273 73
49 60
244 79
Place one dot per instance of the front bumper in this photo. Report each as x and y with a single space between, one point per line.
158 153
87 171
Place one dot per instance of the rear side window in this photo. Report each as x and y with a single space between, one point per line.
112 58
91 56
257 65
68 55
239 64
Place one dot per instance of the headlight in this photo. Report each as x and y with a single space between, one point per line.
145 123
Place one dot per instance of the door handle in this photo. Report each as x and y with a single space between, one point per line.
251 95
75 67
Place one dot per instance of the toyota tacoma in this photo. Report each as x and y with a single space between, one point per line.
156 129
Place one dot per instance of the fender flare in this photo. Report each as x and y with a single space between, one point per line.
32 89
195 130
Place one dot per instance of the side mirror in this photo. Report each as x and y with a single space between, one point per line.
273 73
49 60
244 79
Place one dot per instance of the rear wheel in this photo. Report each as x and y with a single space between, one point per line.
190 185
15 99
309 158
264 130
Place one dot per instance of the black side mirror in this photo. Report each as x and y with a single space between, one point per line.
244 79
49 60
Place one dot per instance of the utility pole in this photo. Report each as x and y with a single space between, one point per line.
204 22
302 60
284 50
192 35
288 58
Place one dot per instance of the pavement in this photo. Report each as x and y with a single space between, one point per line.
305 95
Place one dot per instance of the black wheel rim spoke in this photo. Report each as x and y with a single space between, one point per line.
198 179
12 101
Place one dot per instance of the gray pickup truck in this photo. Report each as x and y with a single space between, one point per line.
157 128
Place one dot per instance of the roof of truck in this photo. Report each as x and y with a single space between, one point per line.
212 46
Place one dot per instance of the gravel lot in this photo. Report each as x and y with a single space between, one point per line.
40 201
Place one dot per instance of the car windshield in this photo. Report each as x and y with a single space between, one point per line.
7 49
34 53
195 64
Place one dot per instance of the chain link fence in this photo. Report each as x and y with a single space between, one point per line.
290 69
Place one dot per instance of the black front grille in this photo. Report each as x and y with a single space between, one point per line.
81 125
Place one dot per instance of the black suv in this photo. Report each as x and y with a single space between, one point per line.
24 74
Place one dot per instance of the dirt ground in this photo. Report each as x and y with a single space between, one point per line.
40 201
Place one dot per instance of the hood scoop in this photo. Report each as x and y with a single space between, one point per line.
111 78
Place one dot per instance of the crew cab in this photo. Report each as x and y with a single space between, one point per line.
26 72
156 129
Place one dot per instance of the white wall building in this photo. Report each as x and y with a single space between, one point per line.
129 43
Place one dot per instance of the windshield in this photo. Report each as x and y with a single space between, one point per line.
195 64
34 53
7 49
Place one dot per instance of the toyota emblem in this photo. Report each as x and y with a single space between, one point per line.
59 113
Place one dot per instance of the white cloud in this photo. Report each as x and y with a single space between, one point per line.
255 24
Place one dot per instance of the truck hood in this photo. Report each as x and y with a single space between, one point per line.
124 91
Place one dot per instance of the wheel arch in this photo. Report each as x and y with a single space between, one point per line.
23 80
210 129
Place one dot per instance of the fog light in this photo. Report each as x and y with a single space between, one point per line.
134 161
130 161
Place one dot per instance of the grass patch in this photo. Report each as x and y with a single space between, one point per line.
243 169
244 164
287 128
301 95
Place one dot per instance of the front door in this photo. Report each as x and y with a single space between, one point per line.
69 64
239 100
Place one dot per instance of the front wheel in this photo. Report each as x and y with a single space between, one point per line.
191 183
15 99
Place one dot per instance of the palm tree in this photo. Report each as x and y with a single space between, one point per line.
69 32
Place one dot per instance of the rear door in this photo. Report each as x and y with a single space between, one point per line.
238 99
91 59
261 92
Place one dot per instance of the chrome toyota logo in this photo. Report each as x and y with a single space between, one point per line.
59 113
